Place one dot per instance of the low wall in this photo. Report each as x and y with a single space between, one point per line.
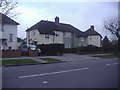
33 53
10 53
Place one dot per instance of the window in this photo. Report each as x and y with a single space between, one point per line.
56 33
68 35
11 37
46 36
82 38
2 27
68 45
33 33
80 44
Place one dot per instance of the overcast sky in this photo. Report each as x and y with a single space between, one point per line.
79 14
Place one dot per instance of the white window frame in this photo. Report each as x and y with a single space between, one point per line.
47 36
2 27
68 45
68 34
79 44
56 33
82 39
10 37
34 33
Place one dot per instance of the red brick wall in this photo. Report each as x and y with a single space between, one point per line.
16 53
10 53
33 53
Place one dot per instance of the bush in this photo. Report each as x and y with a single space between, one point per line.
70 50
88 49
51 49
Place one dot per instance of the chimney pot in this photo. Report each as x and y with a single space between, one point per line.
92 27
57 19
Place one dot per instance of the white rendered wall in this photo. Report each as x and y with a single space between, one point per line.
59 38
94 40
40 38
7 30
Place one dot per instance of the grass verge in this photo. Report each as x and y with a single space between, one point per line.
107 56
50 59
18 61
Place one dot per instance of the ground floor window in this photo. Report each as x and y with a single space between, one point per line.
46 36
82 38
68 45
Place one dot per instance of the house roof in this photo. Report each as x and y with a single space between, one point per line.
6 20
91 31
48 27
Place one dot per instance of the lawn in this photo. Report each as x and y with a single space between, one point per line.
18 61
107 56
50 59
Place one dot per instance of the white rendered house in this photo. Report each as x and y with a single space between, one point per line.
47 32
8 33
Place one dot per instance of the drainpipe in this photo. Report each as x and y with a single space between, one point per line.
53 39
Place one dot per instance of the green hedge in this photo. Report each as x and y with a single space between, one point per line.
86 49
51 49
89 49
70 50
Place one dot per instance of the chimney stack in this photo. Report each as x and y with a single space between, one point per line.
92 27
56 19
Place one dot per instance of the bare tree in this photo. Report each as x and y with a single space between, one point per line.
113 25
7 7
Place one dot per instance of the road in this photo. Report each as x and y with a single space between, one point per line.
89 73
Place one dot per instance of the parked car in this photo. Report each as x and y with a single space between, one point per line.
25 49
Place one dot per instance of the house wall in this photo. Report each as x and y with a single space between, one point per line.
59 38
0 35
34 35
94 40
76 41
68 41
84 42
7 30
0 31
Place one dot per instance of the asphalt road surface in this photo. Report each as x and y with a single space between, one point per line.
89 73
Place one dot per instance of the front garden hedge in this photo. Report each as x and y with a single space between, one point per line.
51 49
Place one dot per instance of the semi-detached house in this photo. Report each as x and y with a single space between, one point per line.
8 32
47 32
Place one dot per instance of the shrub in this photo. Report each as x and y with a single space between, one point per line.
70 50
51 49
89 49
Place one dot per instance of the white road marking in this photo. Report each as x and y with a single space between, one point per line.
35 75
45 82
112 64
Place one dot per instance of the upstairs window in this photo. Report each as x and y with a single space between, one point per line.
68 35
68 45
56 33
2 27
10 37
46 36
82 39
33 33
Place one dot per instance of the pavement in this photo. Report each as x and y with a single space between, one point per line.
80 71
65 57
